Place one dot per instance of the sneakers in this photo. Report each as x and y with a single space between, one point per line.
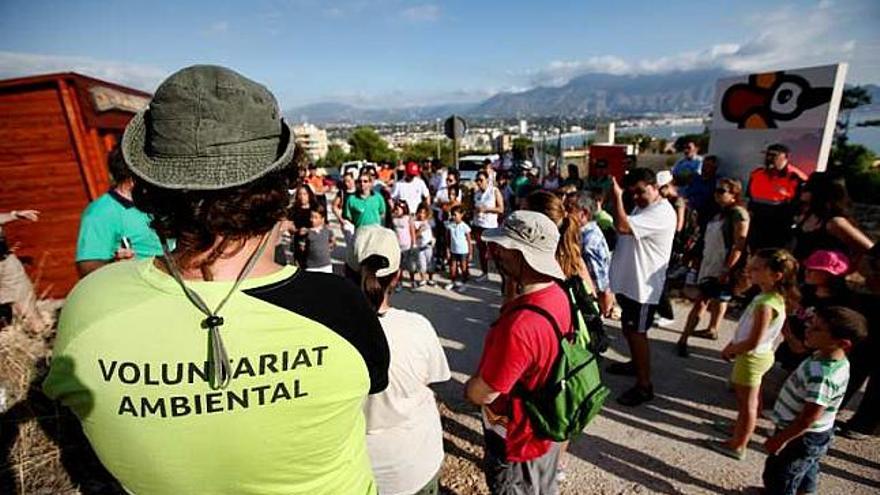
431 283
636 396
623 369
449 286
661 322
560 475
482 278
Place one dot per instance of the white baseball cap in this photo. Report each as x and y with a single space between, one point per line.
664 177
374 240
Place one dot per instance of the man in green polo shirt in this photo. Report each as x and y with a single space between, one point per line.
112 227
365 207
213 369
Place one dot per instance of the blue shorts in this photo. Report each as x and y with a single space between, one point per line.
795 468
712 288
635 316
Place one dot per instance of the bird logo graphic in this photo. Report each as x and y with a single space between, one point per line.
770 98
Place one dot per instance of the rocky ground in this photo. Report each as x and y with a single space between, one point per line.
654 448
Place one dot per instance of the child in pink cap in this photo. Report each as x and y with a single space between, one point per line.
824 285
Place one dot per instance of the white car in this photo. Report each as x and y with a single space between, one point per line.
354 167
469 165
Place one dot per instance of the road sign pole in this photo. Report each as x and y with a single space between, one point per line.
455 128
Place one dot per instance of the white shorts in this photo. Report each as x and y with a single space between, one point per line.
425 256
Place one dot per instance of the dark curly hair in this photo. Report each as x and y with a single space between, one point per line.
195 219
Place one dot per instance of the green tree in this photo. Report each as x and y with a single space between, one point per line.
334 158
425 150
520 148
367 144
852 98
856 164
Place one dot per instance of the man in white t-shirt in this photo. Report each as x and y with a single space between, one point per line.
638 272
412 189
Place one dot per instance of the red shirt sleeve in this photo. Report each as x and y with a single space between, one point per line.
506 355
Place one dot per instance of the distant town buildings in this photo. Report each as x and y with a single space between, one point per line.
313 139
503 143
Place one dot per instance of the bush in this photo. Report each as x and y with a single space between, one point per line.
856 163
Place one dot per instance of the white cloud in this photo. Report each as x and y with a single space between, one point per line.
398 98
792 37
140 76
421 13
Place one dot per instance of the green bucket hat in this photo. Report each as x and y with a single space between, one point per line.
207 127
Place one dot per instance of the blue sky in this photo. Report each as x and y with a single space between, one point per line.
397 52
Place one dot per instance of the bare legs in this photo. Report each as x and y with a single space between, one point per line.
641 356
716 308
483 251
748 403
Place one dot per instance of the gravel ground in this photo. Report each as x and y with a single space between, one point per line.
654 448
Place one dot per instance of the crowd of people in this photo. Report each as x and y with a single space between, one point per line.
223 355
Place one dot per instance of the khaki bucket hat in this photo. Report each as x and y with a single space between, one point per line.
534 235
207 127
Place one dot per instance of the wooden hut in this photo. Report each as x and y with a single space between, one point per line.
55 133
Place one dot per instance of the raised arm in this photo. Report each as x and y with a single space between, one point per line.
621 219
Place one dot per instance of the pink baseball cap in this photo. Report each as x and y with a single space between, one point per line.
833 262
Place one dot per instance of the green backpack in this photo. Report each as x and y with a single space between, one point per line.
573 393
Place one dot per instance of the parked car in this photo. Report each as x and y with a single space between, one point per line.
469 165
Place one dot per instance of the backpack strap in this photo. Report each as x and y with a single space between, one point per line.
543 312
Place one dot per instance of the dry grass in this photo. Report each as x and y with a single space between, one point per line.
43 448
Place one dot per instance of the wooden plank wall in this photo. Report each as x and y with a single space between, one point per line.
39 170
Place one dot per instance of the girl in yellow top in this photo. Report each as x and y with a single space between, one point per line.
774 271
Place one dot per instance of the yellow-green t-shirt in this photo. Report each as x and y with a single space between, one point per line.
305 349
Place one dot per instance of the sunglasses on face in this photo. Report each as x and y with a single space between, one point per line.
722 190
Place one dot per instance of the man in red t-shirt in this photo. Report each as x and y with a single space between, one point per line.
519 352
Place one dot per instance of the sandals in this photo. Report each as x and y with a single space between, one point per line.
705 334
722 426
722 448
681 348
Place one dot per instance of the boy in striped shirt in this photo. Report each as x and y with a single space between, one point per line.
808 402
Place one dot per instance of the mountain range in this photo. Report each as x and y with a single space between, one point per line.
593 95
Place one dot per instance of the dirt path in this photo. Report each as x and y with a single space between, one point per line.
651 449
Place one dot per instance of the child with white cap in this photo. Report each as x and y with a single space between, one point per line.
404 434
